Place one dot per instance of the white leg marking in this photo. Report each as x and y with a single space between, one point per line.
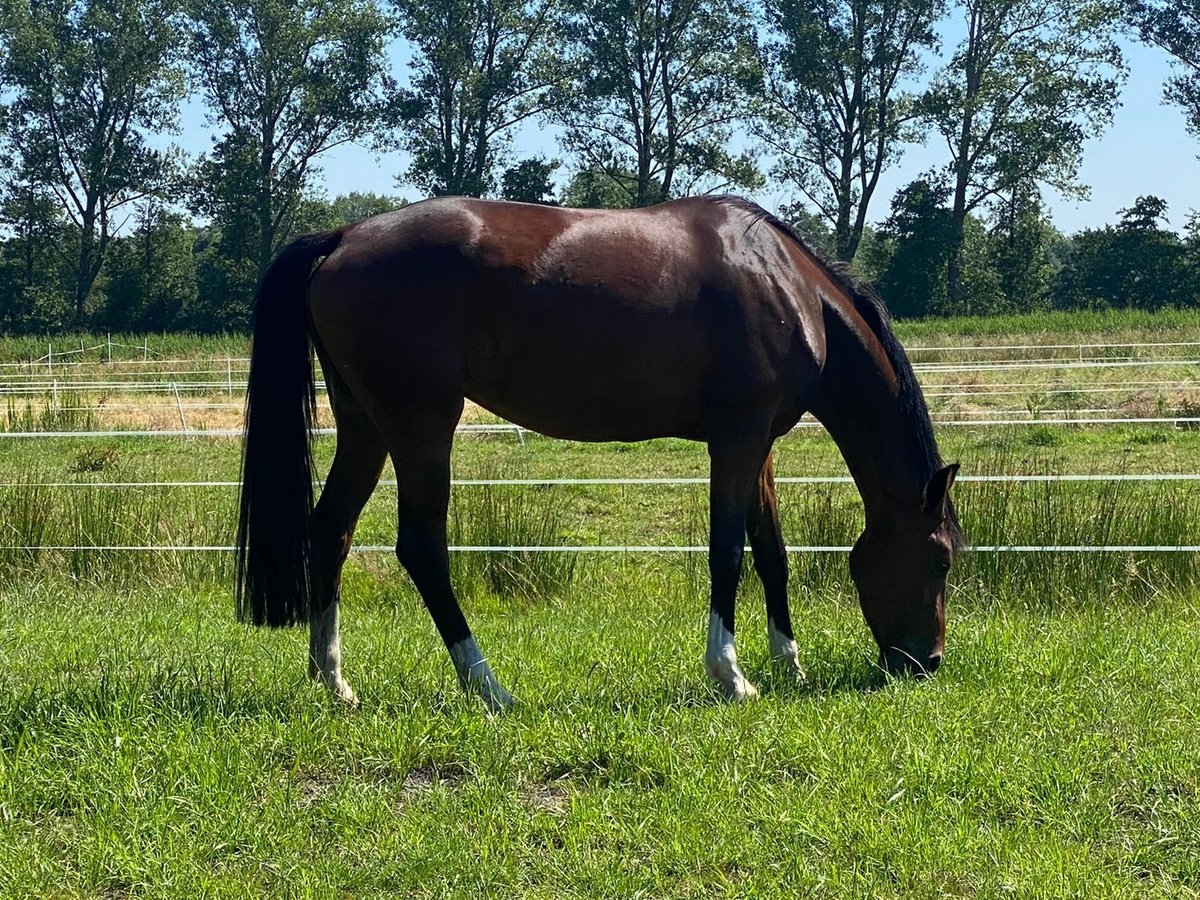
783 650
325 656
720 659
476 677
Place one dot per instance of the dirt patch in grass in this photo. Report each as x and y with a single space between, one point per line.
552 797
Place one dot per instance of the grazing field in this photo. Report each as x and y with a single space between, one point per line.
150 746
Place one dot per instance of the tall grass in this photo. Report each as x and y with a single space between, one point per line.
67 411
1045 326
89 518
83 523
511 516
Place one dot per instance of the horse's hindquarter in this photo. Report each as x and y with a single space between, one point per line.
591 325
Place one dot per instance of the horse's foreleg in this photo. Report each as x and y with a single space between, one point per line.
770 561
423 474
735 465
357 464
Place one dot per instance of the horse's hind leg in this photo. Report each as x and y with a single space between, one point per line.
736 463
421 456
357 463
770 561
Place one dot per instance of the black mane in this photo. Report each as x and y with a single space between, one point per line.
875 313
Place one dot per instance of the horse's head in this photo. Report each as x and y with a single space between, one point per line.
899 565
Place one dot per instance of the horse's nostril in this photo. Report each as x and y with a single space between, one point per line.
931 664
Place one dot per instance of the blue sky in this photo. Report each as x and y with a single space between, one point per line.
1147 150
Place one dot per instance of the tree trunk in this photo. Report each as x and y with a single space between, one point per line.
956 295
84 276
266 231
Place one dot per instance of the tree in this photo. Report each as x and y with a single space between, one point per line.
1174 26
1029 82
529 181
1022 243
918 235
654 91
151 274
1137 264
320 214
35 281
479 68
835 111
593 189
917 240
284 81
89 82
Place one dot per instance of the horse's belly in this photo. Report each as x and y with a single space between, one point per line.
579 394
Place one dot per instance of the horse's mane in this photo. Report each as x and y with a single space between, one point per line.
874 312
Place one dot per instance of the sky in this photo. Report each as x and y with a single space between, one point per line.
1146 150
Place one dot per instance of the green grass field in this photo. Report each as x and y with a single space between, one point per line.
152 747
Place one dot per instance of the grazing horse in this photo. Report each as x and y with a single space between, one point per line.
705 318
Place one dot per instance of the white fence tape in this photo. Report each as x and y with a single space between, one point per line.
629 482
378 548
517 429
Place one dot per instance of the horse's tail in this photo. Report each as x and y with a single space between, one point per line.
273 567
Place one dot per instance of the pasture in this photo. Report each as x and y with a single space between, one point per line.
151 746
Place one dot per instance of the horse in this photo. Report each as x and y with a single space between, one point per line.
707 319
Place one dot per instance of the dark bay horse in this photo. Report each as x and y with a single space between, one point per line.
706 319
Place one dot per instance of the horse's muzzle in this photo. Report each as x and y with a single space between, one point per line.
897 661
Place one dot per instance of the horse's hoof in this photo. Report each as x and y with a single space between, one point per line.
788 670
340 692
734 685
500 702
744 692
493 694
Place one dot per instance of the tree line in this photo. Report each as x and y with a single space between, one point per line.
105 224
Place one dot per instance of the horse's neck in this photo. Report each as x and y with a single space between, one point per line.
858 403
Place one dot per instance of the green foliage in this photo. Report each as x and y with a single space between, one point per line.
834 111
596 189
529 181
151 274
653 91
320 214
35 276
479 67
919 245
90 83
1174 26
1030 82
1137 264
284 82
1022 244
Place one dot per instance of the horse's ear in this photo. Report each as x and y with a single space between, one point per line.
937 492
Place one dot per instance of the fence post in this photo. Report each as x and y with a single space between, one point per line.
109 341
50 358
229 374
179 406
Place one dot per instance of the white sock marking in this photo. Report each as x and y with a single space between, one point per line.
475 675
325 655
720 660
783 648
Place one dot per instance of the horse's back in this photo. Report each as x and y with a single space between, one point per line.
581 323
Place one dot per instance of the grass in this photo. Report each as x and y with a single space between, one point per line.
151 747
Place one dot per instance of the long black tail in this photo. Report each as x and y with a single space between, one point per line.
274 544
